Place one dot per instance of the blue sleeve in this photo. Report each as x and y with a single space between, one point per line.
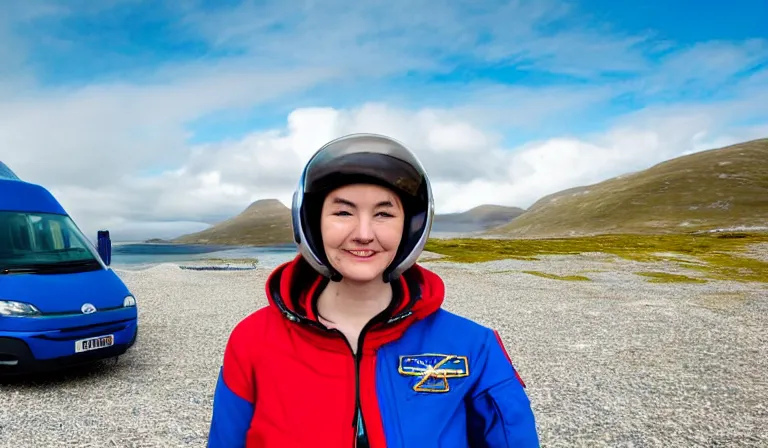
500 413
231 418
235 395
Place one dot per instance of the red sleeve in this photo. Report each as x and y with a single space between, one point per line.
239 357
235 396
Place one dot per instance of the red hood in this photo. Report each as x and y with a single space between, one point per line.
292 287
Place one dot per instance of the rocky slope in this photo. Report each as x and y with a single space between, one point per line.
265 222
714 189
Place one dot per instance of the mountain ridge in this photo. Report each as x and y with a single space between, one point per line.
476 219
264 222
717 188
268 222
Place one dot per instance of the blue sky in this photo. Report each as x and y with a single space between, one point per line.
133 41
144 89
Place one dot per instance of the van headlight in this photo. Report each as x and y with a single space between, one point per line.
17 309
129 301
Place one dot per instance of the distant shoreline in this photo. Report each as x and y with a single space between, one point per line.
479 235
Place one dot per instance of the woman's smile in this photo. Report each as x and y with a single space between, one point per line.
362 253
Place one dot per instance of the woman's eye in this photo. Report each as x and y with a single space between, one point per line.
379 214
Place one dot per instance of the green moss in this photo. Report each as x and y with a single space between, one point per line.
231 260
666 277
717 256
720 301
579 278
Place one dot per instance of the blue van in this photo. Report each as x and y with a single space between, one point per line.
60 303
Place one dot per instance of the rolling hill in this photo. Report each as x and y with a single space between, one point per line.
717 188
263 223
268 222
480 218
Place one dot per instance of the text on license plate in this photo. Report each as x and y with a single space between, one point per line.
96 343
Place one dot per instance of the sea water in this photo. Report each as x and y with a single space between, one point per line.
142 255
139 255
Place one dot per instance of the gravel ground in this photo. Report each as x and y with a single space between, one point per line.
614 362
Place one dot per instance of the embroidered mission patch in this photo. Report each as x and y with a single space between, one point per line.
434 370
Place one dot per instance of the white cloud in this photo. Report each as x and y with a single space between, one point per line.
96 144
96 134
467 166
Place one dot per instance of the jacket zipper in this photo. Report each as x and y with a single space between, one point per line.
357 415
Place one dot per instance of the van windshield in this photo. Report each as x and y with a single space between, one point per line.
42 242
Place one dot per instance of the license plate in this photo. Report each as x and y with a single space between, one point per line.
96 343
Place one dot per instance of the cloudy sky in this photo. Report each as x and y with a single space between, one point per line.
154 119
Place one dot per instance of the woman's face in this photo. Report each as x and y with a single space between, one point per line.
362 226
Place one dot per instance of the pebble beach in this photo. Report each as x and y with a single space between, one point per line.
616 361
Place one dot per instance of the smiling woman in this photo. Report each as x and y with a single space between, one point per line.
354 347
361 223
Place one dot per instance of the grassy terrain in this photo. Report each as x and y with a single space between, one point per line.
718 256
666 277
578 278
720 188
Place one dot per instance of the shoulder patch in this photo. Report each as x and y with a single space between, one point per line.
434 370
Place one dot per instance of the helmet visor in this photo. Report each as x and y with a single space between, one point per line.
364 158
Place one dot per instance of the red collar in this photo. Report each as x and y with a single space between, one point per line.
293 287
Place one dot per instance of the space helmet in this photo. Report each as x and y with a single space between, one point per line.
371 159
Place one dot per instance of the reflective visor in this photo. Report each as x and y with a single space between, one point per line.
363 158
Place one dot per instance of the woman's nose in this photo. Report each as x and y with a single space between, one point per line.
364 231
